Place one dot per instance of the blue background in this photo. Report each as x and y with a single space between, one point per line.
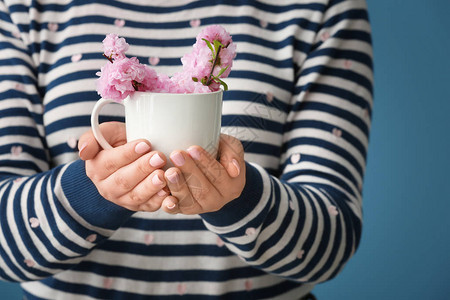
405 249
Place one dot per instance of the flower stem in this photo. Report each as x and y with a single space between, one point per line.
109 58
136 85
208 82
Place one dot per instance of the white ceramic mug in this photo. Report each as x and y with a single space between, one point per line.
169 121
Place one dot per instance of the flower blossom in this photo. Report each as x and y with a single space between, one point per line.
123 77
182 83
211 57
204 67
214 32
114 47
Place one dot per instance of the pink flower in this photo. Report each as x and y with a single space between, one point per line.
114 47
163 84
123 77
182 83
198 63
214 32
104 87
210 60
211 57
214 86
226 56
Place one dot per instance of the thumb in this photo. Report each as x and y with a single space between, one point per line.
231 154
114 133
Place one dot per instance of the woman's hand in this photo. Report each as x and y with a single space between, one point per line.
129 174
199 183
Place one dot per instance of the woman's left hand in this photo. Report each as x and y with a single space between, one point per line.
199 183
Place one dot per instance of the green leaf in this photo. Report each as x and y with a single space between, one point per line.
221 71
217 44
225 86
209 45
195 79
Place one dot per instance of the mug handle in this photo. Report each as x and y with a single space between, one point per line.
95 124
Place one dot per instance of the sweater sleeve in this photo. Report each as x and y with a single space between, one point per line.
305 224
50 218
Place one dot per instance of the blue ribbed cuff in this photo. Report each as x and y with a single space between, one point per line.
240 207
86 201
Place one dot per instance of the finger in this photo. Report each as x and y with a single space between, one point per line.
233 168
211 168
148 194
197 181
231 155
127 178
110 161
156 201
151 205
226 185
114 133
176 182
170 205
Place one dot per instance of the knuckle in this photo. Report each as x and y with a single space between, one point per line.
95 178
127 202
235 194
105 193
150 206
143 167
121 182
109 165
136 198
129 155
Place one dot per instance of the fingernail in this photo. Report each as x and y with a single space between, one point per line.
171 206
156 180
162 193
156 160
141 148
236 165
194 153
173 177
82 148
177 158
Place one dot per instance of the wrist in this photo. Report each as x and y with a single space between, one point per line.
85 200
251 197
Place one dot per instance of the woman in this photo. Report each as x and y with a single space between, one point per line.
298 105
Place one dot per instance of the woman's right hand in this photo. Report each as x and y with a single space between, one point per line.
130 174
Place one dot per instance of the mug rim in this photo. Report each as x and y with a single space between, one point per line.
142 92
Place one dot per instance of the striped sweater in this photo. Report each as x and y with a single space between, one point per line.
299 99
